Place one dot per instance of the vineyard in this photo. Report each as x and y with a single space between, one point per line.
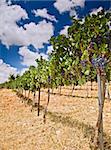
63 98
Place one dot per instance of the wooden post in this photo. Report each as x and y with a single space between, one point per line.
72 89
34 98
38 101
87 89
25 93
107 91
60 89
28 94
91 87
45 111
101 97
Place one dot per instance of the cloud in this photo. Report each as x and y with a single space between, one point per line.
95 11
44 14
49 49
68 5
28 57
63 5
73 13
12 34
80 3
64 30
38 34
5 71
44 56
21 72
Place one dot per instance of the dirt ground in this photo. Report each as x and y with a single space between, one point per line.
70 121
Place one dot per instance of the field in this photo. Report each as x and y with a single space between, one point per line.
70 121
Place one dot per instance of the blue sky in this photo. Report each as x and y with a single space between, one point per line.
27 26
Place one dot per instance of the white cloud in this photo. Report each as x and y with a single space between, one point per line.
38 34
21 72
80 3
67 5
63 5
44 14
2 2
11 33
44 56
28 57
73 13
9 2
5 71
49 49
95 11
65 30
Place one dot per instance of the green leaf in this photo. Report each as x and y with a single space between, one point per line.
87 72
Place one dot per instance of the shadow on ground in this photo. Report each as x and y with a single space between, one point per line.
87 130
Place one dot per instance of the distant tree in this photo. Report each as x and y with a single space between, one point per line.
11 77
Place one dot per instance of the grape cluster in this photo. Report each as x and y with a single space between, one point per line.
62 72
91 45
49 78
99 62
83 63
97 40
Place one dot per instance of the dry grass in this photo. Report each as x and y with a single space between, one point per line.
70 121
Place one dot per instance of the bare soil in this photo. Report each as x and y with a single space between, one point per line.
70 121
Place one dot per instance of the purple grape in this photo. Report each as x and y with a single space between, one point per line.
83 63
99 62
49 78
62 73
92 45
